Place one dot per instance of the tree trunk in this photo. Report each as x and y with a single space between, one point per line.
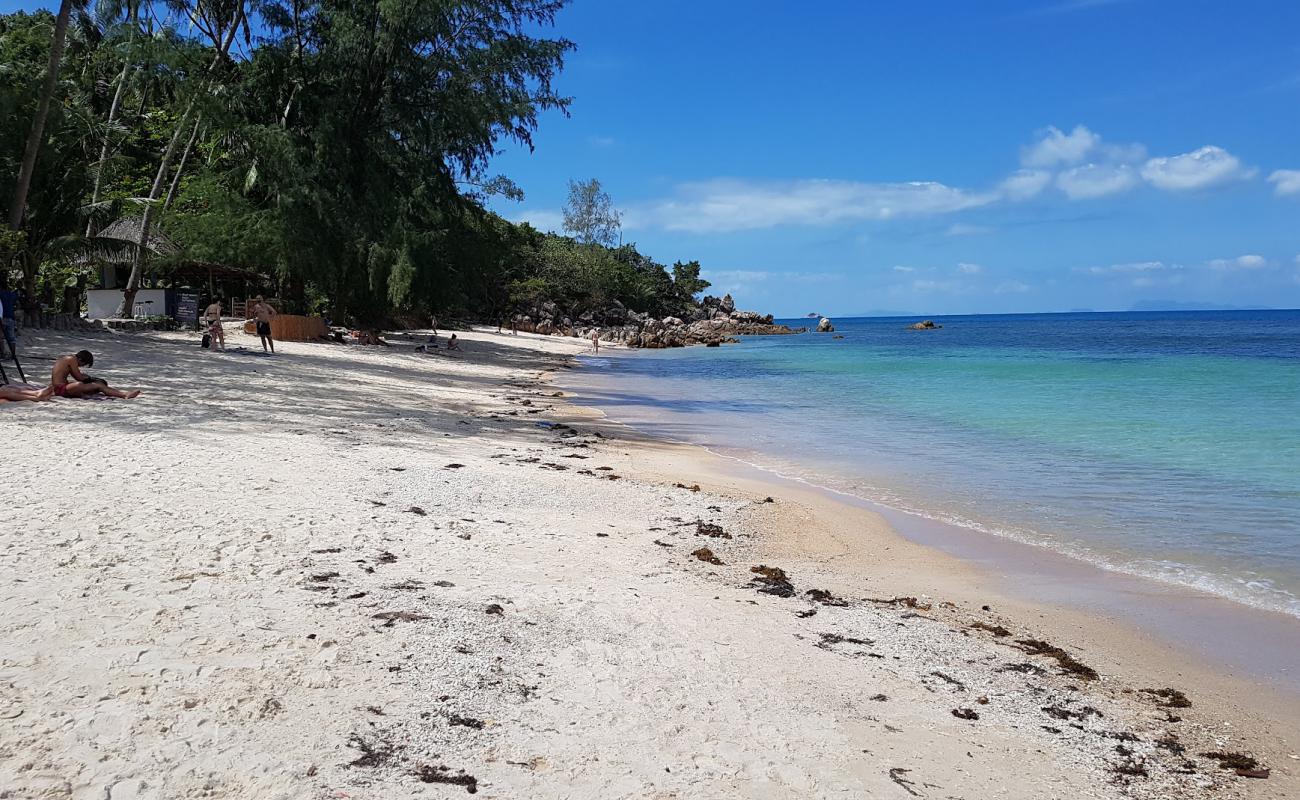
19 205
108 132
180 168
146 223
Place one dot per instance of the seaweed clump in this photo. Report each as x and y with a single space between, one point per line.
1069 664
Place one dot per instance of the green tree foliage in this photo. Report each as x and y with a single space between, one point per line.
343 152
590 215
687 280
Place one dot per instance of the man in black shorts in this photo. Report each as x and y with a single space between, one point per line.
264 313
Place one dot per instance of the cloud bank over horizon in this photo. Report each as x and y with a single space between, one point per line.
1080 165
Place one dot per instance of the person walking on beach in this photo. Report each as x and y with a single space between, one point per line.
595 340
213 318
67 380
264 313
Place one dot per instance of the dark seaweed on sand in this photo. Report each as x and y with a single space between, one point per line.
1069 664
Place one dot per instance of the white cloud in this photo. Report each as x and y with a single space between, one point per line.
1285 181
1140 274
1130 268
759 276
732 205
969 269
1056 147
1096 180
904 269
963 229
927 285
1199 169
1011 287
542 219
1025 183
1238 263
1074 5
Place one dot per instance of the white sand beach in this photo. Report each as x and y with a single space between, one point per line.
347 572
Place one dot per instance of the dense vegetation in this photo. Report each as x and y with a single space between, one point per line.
339 147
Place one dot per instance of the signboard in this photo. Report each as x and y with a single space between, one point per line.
187 309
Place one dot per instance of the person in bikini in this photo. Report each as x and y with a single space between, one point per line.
12 394
69 381
213 317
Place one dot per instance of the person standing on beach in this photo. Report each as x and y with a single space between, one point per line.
213 318
264 313
8 308
595 340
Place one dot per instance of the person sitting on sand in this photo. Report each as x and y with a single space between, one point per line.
12 394
264 313
69 381
453 343
213 318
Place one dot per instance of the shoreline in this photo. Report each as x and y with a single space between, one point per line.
414 570
1234 634
1119 648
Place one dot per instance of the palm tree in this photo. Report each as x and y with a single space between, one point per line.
19 204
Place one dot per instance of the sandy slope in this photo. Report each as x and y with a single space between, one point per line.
348 572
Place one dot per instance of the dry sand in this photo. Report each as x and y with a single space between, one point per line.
367 573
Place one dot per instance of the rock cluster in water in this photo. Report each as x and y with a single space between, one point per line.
712 322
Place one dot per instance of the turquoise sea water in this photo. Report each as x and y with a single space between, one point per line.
1160 444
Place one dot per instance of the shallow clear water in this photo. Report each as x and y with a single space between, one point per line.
1162 444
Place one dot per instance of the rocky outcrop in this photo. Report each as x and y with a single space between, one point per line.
825 326
924 325
713 322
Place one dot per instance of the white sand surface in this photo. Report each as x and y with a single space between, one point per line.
347 572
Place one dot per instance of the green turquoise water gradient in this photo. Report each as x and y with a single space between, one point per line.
1166 445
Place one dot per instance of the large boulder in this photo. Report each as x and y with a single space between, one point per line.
727 305
825 326
924 325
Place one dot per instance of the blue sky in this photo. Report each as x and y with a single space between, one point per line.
940 156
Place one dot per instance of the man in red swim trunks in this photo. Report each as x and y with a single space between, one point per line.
69 381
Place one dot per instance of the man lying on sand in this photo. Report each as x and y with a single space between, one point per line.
12 394
69 381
